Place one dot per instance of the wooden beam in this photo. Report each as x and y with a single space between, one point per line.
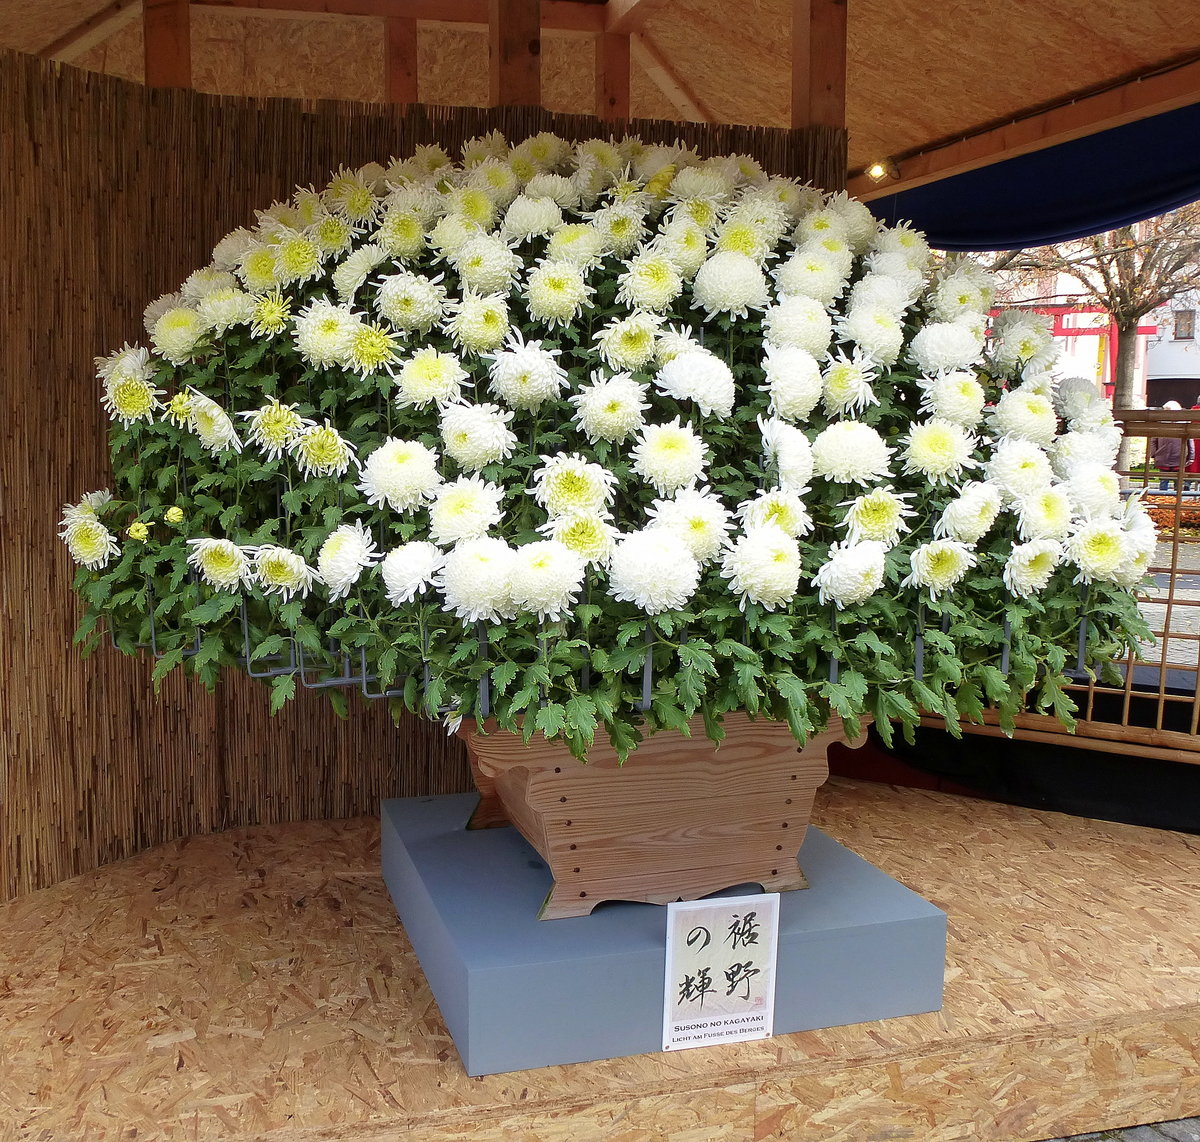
557 16
819 63
400 59
658 68
629 15
612 76
92 31
1127 102
514 53
166 29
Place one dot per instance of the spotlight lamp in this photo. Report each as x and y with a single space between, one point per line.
882 169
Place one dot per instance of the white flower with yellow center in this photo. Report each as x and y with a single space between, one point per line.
956 397
939 450
787 448
1095 491
556 293
257 268
353 272
798 322
1074 449
333 234
297 259
852 573
1077 396
774 507
409 571
274 426
684 244
344 556
875 330
371 348
351 193
323 332
971 516
450 234
400 474
320 451
492 145
486 264
818 224
650 281
554 186
525 375
738 236
178 333
1046 513
89 542
611 409
411 301
271 315
590 536
1019 468
474 204
1026 416
895 293
429 377
944 347
903 240
128 362
954 297
628 342
1029 566
223 308
475 580
209 421
401 233
528 217
545 578
465 509
87 507
202 282
794 382
939 565
1101 549
496 179
703 181
860 224
812 272
1022 339
222 564
621 226
763 567
569 485
478 324
732 283
669 456
698 517
850 452
576 243
701 377
880 515
129 395
846 383
653 569
475 435
670 343
281 571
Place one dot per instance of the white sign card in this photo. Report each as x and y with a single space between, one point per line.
720 973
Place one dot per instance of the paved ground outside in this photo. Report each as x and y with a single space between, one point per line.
1184 1130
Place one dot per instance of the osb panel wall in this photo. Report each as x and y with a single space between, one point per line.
113 194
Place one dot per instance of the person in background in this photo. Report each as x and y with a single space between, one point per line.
1194 462
1170 453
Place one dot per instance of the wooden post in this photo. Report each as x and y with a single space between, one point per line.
166 28
612 76
514 29
819 63
400 59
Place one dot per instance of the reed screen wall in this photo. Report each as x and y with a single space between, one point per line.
112 194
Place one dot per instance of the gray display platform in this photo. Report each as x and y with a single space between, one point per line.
519 992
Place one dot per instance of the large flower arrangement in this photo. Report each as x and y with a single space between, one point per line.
598 438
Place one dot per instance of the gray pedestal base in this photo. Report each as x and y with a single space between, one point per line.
518 992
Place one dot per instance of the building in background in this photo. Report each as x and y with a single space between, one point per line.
1173 355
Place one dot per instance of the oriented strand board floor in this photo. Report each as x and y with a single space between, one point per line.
256 984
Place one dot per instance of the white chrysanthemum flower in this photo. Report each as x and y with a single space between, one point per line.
894 293
860 224
200 283
496 179
1022 339
545 578
611 409
465 509
904 240
939 450
628 342
209 421
787 448
775 507
703 181
670 343
738 236
813 272
492 145
576 243
370 349
476 435
89 542
621 227
763 567
1026 416
875 330
955 296
346 553
590 535
944 346
487 264
794 382
1019 468
1101 549
524 375
1045 514
850 452
556 293
178 334
879 515
957 397
257 268
400 474
222 564
698 517
894 265
528 217
129 394
272 314
352 193
281 571
130 361
819 224
653 569
333 235
473 204
939 565
555 186
650 281
353 272
429 377
321 451
401 233
1095 491
478 324
569 485
669 456
1029 566
1074 449
798 322
846 383
409 571
730 283
852 573
223 308
323 332
297 258
684 244
970 517
701 377
450 233
274 426
475 580
1075 396
227 253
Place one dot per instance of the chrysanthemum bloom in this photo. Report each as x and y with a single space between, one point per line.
179 410
129 396
450 234
281 571
475 435
556 293
130 361
610 409
589 535
1029 566
174 515
411 301
401 233
683 243
970 517
939 565
944 346
701 182
524 374
730 283
1022 339
699 376
1045 514
875 330
1100 549
223 308
227 253
669 456
650 282
209 421
904 240
812 272
763 567
554 186
464 509
353 272
860 224
698 517
274 426
1074 396
89 542
850 452
738 236
852 573
474 204
528 217
1019 468
956 397
621 226
880 515
478 324
409 570
654 570
670 343
1094 491
491 145
344 556
545 578
798 322
333 234
952 297
297 259
222 564
773 507
257 267
401 474
138 530
1074 449
371 348
323 332
351 193
178 333
200 283
496 179
429 377
895 293
793 381
846 383
487 264
628 342
939 450
819 223
1026 416
788 449
271 315
576 243
475 580
320 451
569 485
